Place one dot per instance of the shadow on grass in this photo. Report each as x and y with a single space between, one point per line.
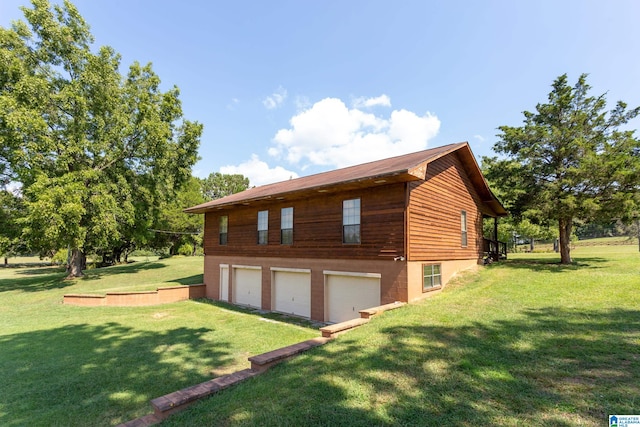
39 280
98 374
548 367
28 264
47 278
268 315
550 265
40 271
131 268
196 279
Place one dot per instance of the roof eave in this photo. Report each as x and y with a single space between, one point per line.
403 175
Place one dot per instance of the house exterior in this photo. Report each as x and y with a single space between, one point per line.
328 245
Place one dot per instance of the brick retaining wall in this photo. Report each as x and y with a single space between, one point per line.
135 299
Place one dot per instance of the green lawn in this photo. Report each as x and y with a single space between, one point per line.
74 366
524 342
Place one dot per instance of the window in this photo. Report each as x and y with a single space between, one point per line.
351 221
224 229
463 228
431 276
263 227
286 226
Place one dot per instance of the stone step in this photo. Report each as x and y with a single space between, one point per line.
178 400
370 312
331 331
264 361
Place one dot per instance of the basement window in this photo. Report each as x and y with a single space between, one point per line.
431 277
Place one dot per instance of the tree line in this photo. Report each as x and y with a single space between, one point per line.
170 230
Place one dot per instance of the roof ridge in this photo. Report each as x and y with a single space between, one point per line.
367 163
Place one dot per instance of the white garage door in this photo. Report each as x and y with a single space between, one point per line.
224 282
347 294
292 292
247 286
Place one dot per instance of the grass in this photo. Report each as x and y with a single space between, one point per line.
79 366
522 342
526 342
600 241
541 247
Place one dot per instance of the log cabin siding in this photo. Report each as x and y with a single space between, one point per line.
317 226
406 222
435 206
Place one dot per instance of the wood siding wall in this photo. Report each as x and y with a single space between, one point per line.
317 231
435 206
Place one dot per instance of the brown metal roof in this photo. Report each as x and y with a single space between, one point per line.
408 167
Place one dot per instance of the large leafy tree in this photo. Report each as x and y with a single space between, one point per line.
218 185
11 210
570 161
95 150
174 227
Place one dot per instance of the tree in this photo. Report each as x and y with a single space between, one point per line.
95 151
570 161
11 210
174 227
5 170
631 229
218 185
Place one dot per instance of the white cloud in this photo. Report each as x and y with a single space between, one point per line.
275 99
331 134
232 104
259 172
302 103
362 102
480 138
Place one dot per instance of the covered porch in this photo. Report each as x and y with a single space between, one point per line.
494 250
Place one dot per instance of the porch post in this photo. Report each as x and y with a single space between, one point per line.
496 255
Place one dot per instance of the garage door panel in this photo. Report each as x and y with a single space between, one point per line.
347 295
292 293
247 287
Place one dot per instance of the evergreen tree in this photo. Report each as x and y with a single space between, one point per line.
571 160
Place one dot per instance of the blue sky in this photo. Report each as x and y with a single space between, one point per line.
290 88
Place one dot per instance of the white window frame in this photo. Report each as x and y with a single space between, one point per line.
263 227
351 221
223 230
431 277
286 226
463 229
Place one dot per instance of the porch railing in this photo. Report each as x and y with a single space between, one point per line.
495 249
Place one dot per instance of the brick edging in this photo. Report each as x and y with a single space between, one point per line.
170 403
